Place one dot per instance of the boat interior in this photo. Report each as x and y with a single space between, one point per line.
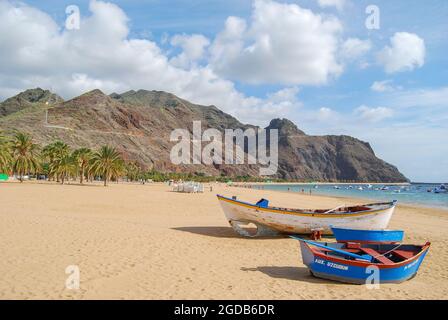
380 253
263 203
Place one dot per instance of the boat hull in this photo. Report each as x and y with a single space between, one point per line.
366 236
302 223
348 272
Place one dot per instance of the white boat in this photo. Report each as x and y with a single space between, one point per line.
300 221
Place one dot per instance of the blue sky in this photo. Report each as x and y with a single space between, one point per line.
312 61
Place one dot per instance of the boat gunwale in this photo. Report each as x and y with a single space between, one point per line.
391 204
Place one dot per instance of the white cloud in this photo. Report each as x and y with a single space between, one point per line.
434 98
35 52
339 4
283 43
282 103
406 52
364 65
384 86
286 94
354 48
373 114
327 114
193 49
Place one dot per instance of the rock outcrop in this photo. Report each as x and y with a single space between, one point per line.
139 125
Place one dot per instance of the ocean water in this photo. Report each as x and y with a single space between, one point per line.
411 194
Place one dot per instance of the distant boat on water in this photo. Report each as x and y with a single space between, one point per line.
304 221
441 189
415 193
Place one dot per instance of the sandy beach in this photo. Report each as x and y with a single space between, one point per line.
146 242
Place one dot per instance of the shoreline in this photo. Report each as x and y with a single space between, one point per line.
329 183
354 199
361 198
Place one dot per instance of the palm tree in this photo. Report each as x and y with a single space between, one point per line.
65 167
107 163
24 154
55 150
54 153
83 157
133 171
5 154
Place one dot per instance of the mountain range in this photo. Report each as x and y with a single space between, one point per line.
139 124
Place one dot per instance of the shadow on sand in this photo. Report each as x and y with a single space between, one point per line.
290 273
221 232
85 185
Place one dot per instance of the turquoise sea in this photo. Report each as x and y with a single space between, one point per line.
415 193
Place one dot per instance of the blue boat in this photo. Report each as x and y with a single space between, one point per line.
441 189
367 236
355 262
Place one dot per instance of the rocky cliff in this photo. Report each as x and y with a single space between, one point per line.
139 124
27 99
329 158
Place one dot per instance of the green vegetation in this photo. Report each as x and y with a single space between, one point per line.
107 163
57 154
5 154
20 156
24 155
83 158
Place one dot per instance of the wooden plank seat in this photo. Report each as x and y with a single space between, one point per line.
404 254
353 245
375 254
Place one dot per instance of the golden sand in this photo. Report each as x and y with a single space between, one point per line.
145 242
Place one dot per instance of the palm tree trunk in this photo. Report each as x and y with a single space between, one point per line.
82 176
105 181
